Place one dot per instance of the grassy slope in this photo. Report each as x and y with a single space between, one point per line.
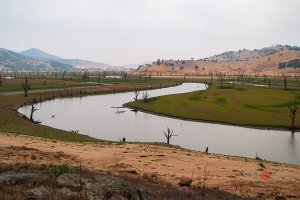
240 106
11 122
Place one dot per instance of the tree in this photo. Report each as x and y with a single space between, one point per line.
293 110
221 77
0 79
32 110
211 78
158 62
136 94
284 80
145 96
169 134
26 87
99 78
85 76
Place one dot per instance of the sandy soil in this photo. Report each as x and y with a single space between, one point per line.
158 164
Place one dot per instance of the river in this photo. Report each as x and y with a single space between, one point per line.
94 116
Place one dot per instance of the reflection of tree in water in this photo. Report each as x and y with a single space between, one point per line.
293 145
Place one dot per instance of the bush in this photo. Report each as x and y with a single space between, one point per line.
59 170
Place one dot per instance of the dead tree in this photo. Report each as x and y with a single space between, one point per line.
169 134
99 78
136 94
26 87
284 80
221 77
211 78
145 96
293 110
32 110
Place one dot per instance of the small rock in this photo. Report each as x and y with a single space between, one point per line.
103 186
280 198
15 178
69 180
33 157
143 195
184 181
67 194
145 176
39 193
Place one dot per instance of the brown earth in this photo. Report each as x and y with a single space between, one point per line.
158 163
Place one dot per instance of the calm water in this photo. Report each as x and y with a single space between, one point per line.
94 116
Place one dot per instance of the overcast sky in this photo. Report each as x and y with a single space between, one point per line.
132 31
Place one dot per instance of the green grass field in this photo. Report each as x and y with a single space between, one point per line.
239 106
12 122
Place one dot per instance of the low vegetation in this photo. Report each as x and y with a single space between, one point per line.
240 106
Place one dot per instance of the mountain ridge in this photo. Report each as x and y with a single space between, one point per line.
39 54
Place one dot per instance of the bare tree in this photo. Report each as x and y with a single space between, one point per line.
145 96
221 77
211 78
293 110
169 134
85 76
284 80
26 87
136 94
99 78
32 110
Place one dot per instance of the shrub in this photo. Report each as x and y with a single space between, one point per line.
58 170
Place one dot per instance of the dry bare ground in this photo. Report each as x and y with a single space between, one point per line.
159 164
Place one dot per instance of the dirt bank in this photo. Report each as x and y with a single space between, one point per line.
241 176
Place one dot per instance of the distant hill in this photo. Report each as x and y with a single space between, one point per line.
36 60
84 64
76 63
10 60
39 55
269 60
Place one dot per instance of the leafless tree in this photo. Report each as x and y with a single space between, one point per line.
169 134
99 78
293 110
221 77
32 110
136 94
211 78
145 96
85 76
26 87
240 74
284 76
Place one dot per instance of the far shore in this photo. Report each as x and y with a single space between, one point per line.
260 127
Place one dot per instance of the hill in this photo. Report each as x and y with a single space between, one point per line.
39 54
13 61
270 60
36 60
84 64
